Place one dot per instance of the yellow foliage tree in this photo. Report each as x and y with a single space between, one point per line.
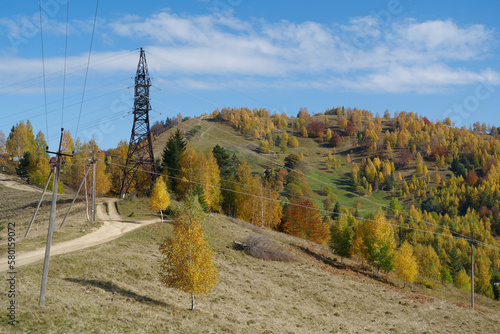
378 240
406 264
210 180
83 154
21 139
482 274
190 171
463 280
328 135
244 189
160 200
187 260
293 142
267 210
303 132
429 266
117 160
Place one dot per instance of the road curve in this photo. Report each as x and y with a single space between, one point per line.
112 228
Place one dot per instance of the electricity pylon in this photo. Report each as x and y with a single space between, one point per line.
140 151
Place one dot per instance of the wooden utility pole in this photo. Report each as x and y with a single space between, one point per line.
76 195
52 220
472 270
93 187
39 202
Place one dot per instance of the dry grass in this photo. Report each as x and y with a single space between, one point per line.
114 288
261 247
19 207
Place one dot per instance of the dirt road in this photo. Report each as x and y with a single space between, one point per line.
112 228
6 180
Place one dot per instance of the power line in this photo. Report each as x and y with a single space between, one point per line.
65 59
73 68
43 69
87 70
322 182
324 211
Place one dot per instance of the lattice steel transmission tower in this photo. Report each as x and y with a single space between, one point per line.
140 151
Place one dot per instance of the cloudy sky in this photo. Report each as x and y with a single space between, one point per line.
438 59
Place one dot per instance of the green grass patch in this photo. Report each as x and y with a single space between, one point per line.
138 208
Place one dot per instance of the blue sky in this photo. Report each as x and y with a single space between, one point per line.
437 58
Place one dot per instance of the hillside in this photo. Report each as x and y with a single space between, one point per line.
405 179
437 186
114 288
204 133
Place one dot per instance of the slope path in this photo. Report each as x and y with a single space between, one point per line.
112 228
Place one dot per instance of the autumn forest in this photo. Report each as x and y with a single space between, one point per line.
399 193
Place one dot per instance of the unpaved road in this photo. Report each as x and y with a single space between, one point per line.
112 228
6 180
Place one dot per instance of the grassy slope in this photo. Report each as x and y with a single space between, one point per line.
314 152
114 288
19 207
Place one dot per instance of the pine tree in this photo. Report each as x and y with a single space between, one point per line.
174 147
160 200
454 263
187 260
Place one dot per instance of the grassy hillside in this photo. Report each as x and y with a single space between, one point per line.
114 288
204 133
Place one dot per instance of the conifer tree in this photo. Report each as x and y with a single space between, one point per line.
174 147
341 237
378 240
429 266
406 264
187 260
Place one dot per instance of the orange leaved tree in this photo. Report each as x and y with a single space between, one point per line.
303 220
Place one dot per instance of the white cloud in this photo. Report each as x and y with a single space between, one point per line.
445 38
364 54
